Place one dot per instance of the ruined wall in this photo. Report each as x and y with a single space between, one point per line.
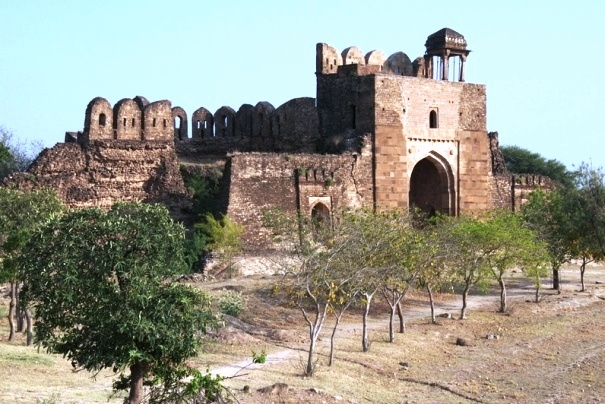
292 127
511 191
129 119
104 171
264 181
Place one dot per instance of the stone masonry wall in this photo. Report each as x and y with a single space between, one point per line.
104 171
262 182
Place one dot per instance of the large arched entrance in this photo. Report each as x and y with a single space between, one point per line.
432 187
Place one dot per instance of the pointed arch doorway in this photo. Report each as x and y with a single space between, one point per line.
432 186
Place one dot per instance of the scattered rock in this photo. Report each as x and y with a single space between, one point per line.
246 389
404 365
445 315
277 388
461 342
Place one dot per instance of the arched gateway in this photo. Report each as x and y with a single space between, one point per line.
432 186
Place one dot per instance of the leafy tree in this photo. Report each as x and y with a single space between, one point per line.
223 237
112 303
463 239
21 213
585 205
15 155
507 244
205 191
547 214
435 271
523 161
406 250
370 256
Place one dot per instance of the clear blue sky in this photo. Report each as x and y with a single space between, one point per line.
543 62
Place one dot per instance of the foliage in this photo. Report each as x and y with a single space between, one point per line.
205 189
464 240
259 357
590 210
21 213
231 303
223 237
112 304
507 244
522 161
15 155
546 213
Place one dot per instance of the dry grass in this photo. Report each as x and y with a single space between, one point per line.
553 351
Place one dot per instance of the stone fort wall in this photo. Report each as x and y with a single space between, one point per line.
383 133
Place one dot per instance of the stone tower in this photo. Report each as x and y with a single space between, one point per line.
430 143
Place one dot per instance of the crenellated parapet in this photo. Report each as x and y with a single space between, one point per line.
129 119
292 127
352 61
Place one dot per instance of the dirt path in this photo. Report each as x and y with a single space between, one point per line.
548 352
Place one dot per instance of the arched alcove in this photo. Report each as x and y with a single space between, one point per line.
432 188
320 215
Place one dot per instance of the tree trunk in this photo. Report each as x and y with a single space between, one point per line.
582 269
401 318
309 368
464 296
502 295
19 310
29 330
365 346
432 303
556 284
331 360
137 375
391 321
538 294
11 310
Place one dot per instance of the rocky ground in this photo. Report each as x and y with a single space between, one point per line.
552 351
547 352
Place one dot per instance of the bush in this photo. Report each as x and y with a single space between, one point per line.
231 303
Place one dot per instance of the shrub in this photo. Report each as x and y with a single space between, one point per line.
231 303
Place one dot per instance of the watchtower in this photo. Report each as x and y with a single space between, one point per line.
430 143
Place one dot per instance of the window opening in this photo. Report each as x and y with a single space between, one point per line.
433 123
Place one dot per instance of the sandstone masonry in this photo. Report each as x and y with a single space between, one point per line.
383 133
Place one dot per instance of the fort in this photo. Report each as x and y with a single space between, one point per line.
382 133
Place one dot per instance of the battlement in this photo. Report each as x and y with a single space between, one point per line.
291 127
443 48
128 119
353 62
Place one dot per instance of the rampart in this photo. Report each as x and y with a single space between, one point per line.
383 133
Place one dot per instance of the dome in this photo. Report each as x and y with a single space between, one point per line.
445 38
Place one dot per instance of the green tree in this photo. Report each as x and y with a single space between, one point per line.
547 214
585 205
507 244
113 303
21 213
464 241
435 272
523 161
15 155
223 238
